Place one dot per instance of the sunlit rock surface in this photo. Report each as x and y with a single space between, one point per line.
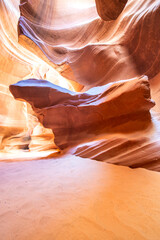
17 62
97 51
79 47
75 117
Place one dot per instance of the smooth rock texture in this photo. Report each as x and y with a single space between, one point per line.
110 9
78 47
92 52
75 117
17 121
96 51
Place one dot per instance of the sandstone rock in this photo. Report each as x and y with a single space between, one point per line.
115 50
75 117
70 37
110 9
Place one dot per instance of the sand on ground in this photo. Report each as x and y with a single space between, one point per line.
70 198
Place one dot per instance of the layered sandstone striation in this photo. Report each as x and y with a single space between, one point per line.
75 117
19 128
110 9
82 46
98 65
94 50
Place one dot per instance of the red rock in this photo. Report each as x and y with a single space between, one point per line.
97 51
75 117
110 9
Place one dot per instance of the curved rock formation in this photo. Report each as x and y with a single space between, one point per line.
110 9
75 117
114 50
17 62
88 50
95 56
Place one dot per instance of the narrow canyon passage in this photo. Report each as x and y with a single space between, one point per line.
79 119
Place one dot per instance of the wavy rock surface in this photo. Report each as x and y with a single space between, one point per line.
97 111
94 200
110 9
114 50
112 124
19 128
92 52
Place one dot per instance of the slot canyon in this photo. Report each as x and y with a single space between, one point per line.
79 120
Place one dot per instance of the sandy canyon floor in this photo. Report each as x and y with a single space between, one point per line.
78 199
